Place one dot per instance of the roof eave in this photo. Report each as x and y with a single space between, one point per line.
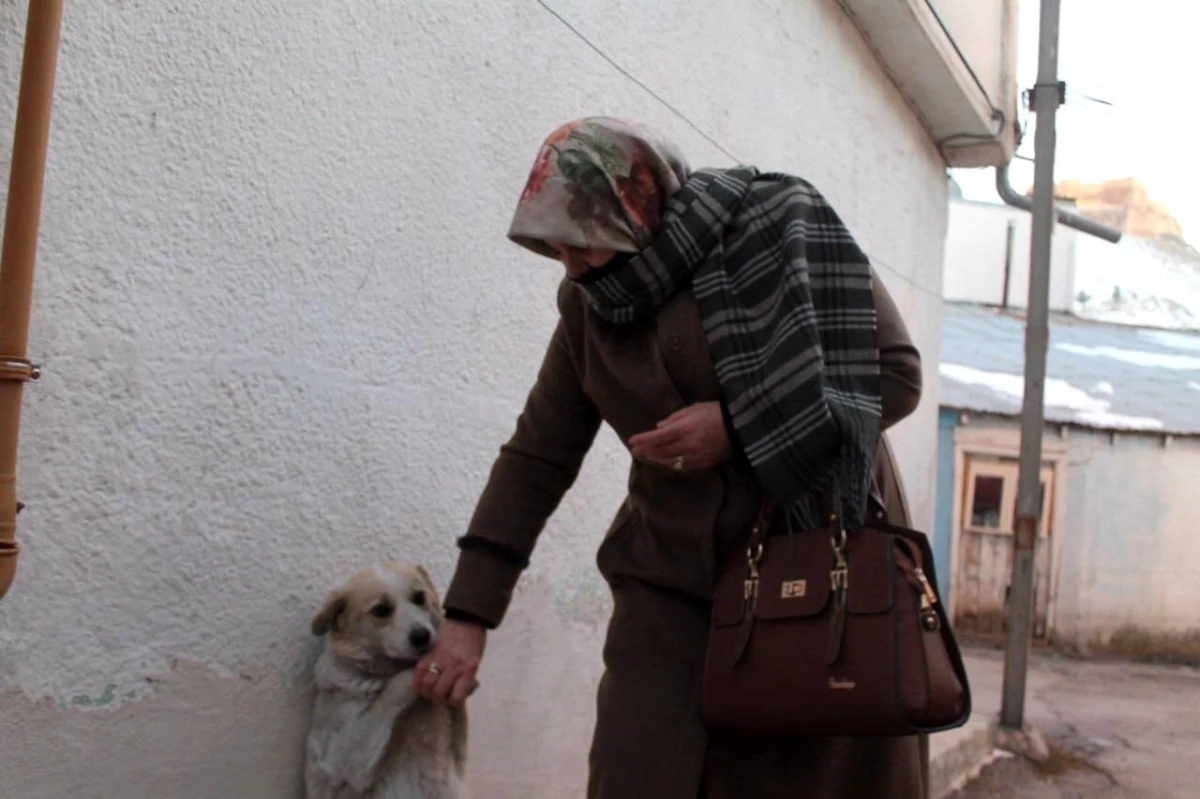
922 62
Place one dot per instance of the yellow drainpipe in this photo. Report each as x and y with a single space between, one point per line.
19 253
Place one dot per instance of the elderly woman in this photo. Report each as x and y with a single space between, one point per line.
728 328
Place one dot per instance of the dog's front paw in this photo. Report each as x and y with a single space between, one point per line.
399 690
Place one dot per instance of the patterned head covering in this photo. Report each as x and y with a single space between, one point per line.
598 183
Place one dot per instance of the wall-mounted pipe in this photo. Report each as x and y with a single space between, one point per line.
1065 217
1010 239
19 253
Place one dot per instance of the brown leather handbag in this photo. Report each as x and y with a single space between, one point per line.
827 634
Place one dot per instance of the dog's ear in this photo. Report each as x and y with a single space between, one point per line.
431 589
326 619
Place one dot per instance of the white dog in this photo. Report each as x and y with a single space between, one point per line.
372 737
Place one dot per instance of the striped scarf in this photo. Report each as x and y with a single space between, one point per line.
784 294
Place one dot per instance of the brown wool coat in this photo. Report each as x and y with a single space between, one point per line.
660 557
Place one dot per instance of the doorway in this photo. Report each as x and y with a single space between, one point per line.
983 570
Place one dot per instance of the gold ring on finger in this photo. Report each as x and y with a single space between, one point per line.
678 463
434 668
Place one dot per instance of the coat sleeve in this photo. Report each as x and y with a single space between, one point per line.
899 361
528 480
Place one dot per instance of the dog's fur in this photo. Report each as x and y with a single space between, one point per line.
372 737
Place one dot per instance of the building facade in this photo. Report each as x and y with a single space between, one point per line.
283 336
1116 559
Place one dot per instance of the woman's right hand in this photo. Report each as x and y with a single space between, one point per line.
456 654
688 440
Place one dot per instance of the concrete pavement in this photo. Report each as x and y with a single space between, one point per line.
1116 730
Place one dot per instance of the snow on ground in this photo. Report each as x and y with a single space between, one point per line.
1139 281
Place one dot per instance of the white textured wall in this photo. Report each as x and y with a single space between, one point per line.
1130 556
283 336
1125 555
976 245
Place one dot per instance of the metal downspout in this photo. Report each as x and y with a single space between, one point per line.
19 253
1064 216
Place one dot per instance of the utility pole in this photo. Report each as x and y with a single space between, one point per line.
1047 96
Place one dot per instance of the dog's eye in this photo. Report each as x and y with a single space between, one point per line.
383 610
418 599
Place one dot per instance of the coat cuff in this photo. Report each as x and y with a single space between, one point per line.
483 585
454 614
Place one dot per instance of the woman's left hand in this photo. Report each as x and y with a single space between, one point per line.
688 440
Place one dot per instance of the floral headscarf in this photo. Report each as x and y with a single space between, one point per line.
598 183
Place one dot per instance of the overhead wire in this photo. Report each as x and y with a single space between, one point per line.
704 134
958 50
631 77
998 115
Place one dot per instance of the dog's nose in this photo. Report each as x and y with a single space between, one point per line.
420 637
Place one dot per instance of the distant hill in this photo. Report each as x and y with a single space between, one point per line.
1123 204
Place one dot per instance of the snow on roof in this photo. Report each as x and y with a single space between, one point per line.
1098 375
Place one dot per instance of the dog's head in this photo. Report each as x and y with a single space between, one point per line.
386 614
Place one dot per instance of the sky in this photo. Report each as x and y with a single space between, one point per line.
1143 56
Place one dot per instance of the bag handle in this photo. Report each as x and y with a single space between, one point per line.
755 546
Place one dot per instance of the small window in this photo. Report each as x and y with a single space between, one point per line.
985 509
